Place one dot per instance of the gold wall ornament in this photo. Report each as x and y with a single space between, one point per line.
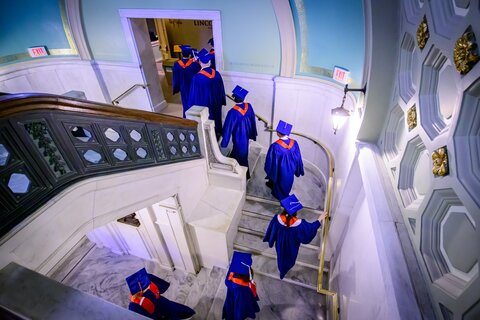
465 53
412 118
422 33
440 161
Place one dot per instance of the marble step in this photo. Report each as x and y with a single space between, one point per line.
203 302
307 256
258 224
270 208
278 300
215 311
299 275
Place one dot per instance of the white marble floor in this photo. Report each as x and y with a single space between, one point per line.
99 272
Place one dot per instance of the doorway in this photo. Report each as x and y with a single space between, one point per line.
156 233
165 31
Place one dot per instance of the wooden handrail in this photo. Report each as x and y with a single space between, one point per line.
50 142
326 223
13 104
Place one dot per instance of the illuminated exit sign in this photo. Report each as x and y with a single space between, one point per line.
340 74
37 52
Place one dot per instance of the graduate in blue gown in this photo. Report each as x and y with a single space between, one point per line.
283 162
240 124
182 74
146 298
206 89
241 300
212 53
287 232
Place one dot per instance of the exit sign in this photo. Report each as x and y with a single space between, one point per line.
37 51
340 74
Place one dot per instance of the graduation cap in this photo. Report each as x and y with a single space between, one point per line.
284 128
291 204
204 56
210 42
186 50
241 263
239 92
138 281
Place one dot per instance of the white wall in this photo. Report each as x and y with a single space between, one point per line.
58 76
368 268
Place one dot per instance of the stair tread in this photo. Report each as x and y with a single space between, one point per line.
299 274
204 302
278 300
270 209
258 225
306 255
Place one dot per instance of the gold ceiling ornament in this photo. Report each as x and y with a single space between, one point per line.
465 54
412 118
440 161
422 33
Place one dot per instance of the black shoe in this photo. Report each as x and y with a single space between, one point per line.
269 184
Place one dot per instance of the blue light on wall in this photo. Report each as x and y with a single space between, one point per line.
329 33
27 23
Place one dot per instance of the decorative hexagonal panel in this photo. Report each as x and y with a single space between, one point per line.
447 227
120 154
446 17
446 313
194 149
394 133
4 155
135 135
173 150
473 312
447 90
82 134
405 82
181 136
434 69
414 178
412 10
459 245
19 183
92 156
467 142
141 152
170 136
462 4
192 137
112 135
184 149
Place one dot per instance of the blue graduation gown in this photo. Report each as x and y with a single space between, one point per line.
241 127
164 308
239 303
181 79
281 165
209 92
288 239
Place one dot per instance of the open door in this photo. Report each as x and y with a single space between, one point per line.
147 64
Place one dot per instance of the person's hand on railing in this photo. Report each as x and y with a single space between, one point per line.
322 216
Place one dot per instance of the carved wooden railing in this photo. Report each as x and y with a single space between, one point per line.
326 222
49 142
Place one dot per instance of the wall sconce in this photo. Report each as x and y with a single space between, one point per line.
340 114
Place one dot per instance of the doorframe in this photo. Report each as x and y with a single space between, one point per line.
214 16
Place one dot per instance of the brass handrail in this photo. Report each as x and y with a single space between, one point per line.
326 223
128 91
